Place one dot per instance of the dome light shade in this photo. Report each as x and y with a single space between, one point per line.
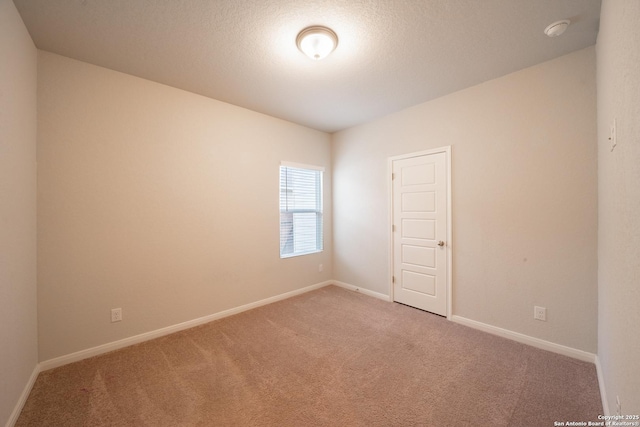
317 42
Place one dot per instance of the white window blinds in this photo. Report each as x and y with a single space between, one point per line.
300 210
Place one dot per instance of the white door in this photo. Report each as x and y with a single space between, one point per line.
420 230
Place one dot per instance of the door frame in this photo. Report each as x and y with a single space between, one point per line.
449 246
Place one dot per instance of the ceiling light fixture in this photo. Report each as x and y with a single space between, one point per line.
317 42
557 28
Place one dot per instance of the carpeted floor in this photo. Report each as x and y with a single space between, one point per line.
330 357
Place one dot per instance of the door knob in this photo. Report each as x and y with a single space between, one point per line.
441 243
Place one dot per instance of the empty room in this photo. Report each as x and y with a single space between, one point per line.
319 213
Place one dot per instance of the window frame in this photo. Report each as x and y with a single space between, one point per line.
319 211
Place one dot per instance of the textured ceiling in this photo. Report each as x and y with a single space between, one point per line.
391 53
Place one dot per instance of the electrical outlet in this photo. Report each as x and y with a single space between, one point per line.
116 315
320 268
618 406
540 313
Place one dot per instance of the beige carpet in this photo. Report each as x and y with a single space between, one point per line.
330 357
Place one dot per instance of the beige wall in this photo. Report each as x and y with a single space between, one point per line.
159 201
524 197
18 122
619 203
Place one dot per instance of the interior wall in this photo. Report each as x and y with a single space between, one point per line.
18 122
158 201
524 197
618 51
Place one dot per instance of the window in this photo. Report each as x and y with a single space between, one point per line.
300 209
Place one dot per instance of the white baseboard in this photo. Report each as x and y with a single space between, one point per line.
526 339
116 345
603 390
362 290
105 348
23 397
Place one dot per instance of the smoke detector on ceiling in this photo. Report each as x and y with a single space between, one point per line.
557 28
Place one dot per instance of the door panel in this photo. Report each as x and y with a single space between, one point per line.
420 223
418 282
419 256
418 174
418 229
422 201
